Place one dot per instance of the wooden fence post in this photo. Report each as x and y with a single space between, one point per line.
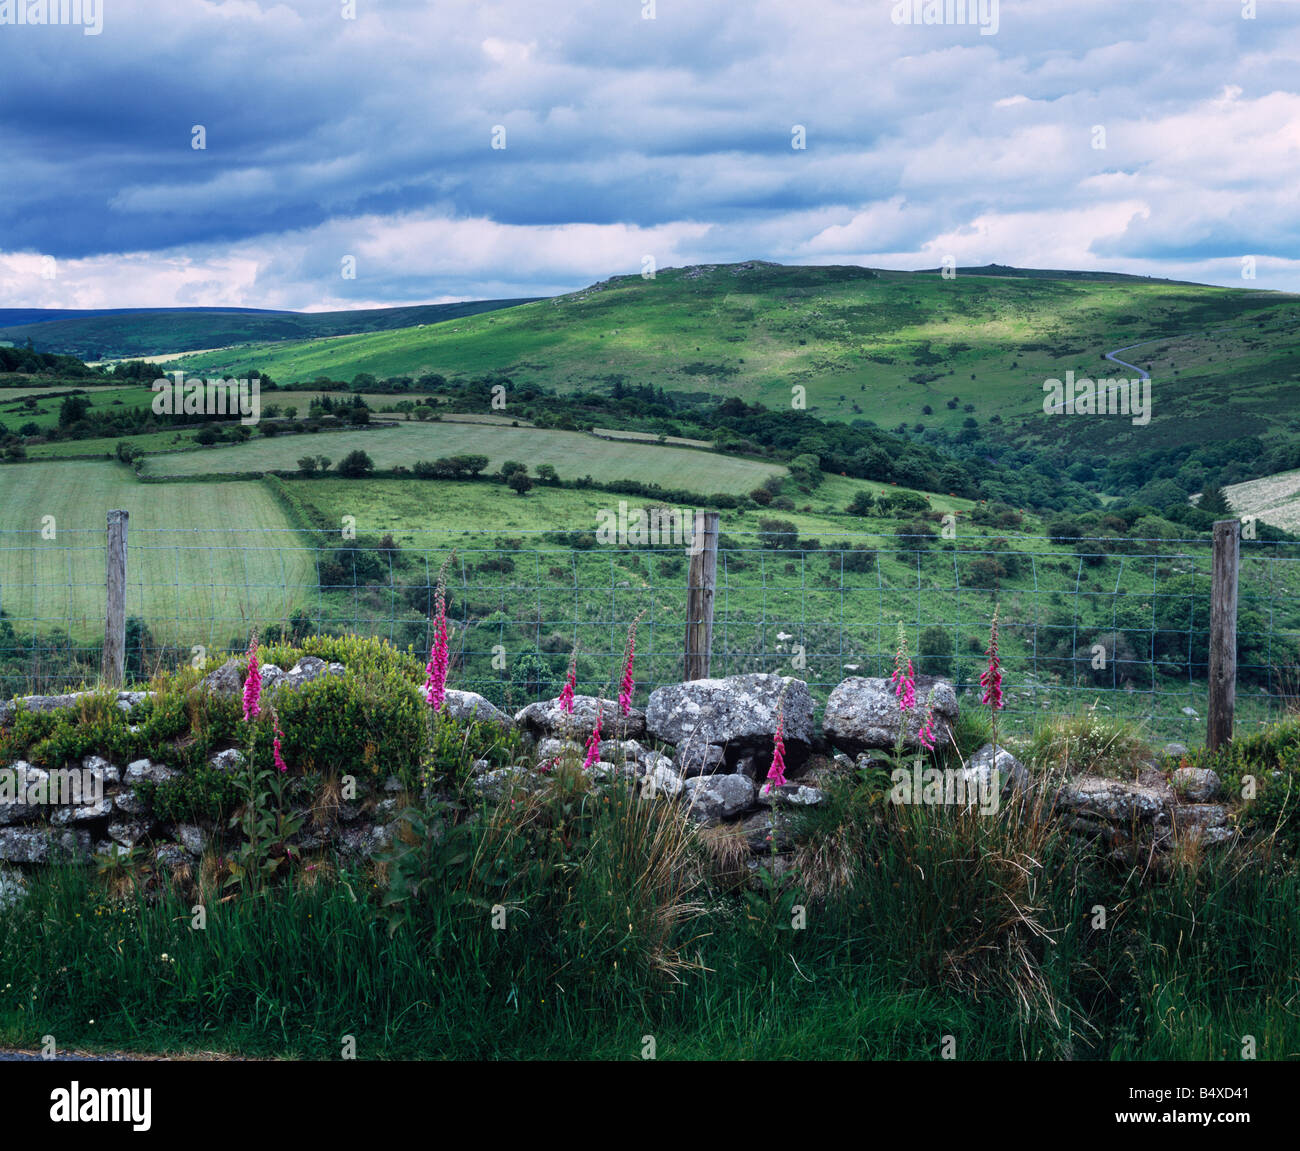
701 581
1223 633
115 623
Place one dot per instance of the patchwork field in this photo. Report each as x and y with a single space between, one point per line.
572 454
201 584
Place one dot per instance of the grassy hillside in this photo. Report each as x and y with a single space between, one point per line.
874 345
122 335
572 454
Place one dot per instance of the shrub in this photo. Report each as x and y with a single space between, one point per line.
858 559
935 650
779 535
455 746
367 723
862 503
355 464
1272 759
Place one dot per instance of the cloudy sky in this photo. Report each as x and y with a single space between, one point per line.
372 137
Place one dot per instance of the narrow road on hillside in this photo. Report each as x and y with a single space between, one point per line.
1113 356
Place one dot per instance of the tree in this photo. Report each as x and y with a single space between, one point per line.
519 483
355 464
1214 499
324 462
862 503
547 474
469 466
307 465
806 470
510 467
72 409
779 535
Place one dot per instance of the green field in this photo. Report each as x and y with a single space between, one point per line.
205 578
106 445
572 454
22 406
462 513
522 580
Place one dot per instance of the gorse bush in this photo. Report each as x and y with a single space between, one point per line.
174 726
356 653
371 724
456 746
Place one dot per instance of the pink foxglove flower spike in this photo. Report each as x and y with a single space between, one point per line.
253 684
593 744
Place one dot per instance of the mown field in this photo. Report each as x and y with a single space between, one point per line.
572 454
208 576
1273 499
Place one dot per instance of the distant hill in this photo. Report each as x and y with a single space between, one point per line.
964 359
956 364
18 317
1055 274
123 333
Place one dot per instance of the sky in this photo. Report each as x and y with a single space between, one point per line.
464 149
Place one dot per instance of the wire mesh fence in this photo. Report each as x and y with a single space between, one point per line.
1121 625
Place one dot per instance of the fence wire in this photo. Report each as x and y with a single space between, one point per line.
1120 625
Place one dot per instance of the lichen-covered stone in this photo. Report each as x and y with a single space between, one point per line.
738 713
863 713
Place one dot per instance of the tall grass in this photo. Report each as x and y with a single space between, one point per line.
616 927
